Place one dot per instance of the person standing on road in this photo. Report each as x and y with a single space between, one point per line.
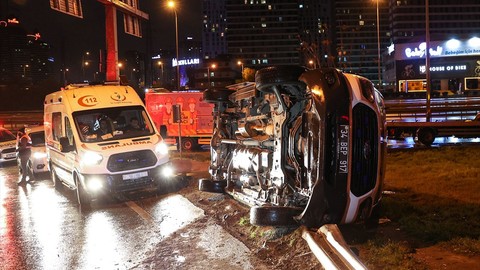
24 151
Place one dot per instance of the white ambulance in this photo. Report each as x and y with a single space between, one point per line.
91 147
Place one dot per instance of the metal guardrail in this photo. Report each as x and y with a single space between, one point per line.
328 245
18 119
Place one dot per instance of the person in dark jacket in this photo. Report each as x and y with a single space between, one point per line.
24 151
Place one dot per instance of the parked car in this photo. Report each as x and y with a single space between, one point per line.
37 164
8 142
299 147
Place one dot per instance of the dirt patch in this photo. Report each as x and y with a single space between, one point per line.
276 248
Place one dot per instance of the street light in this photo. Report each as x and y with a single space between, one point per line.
119 65
378 47
240 63
171 5
213 66
84 63
160 64
24 67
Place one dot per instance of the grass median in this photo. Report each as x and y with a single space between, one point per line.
433 196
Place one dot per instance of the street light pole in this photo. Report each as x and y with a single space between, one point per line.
240 63
208 73
378 48
160 63
171 4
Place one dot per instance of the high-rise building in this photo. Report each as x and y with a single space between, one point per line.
360 37
262 33
454 46
214 41
447 18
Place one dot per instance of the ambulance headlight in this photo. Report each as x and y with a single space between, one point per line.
39 155
167 171
94 184
91 158
161 149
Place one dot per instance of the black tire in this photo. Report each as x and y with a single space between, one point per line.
208 185
83 197
216 95
56 182
189 144
274 215
265 78
426 136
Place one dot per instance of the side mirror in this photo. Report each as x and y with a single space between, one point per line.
65 145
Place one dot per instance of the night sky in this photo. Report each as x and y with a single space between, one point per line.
77 35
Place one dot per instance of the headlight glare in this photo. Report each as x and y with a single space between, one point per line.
161 148
91 158
39 155
94 184
167 171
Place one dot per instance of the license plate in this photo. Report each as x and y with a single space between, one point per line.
134 175
343 149
10 155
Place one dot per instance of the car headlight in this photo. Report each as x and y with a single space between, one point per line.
94 184
167 171
39 155
161 148
367 89
91 158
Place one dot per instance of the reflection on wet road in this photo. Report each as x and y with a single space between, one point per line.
42 228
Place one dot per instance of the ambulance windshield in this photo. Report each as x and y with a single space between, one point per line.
113 123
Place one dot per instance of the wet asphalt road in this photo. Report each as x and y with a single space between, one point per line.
42 228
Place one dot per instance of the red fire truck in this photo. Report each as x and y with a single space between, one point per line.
195 125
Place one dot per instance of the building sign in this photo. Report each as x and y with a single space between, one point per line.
441 68
185 62
419 51
447 48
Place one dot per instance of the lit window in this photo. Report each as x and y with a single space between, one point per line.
264 25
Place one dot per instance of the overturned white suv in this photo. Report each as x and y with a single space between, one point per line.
299 146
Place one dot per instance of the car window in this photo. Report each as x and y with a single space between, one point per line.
6 135
37 138
112 123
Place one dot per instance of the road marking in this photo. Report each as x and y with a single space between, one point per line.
140 211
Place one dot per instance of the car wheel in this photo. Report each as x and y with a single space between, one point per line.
208 185
56 182
82 196
274 215
426 136
216 95
277 75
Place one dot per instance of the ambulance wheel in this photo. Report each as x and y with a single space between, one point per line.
274 215
216 95
209 185
426 136
265 78
82 196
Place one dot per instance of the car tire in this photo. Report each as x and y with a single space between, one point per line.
83 197
265 78
426 136
216 95
209 185
56 182
188 144
278 216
